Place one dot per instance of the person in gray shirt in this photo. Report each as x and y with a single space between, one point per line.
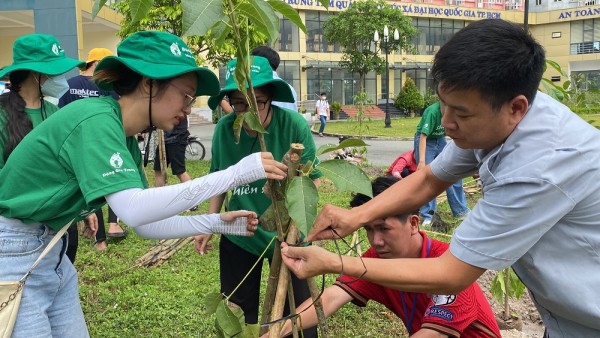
539 164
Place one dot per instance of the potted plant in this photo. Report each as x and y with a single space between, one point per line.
336 107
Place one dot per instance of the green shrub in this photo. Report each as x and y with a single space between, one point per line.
585 110
429 98
336 107
409 97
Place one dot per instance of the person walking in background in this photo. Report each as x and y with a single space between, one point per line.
430 140
322 109
81 87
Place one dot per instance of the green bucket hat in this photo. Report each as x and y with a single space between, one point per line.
40 53
261 74
159 55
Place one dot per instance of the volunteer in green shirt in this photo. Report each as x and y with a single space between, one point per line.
284 127
430 140
63 171
38 68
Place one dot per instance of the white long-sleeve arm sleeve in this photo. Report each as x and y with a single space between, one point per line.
152 212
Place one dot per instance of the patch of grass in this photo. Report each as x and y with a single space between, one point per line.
119 300
402 127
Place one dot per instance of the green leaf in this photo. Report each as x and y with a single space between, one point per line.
241 69
324 3
346 176
262 16
254 122
557 67
200 16
237 126
227 320
498 287
250 331
301 200
516 286
566 85
211 301
220 31
139 9
351 142
288 12
98 4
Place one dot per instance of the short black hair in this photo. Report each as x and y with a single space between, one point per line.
323 93
380 184
269 54
497 58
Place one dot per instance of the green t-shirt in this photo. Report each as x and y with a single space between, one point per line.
35 115
64 168
286 127
431 122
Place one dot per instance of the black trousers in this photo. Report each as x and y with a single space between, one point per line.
235 263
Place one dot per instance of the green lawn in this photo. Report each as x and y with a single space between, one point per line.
401 127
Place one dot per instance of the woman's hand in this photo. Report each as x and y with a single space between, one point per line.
274 170
90 226
251 219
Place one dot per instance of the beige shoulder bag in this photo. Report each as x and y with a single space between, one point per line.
10 292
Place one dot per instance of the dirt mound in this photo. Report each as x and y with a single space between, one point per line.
526 321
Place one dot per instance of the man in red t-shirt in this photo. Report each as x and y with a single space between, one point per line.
467 314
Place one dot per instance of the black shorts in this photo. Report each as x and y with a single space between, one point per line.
175 157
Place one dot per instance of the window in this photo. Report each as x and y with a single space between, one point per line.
433 33
586 80
585 36
339 84
419 72
289 40
315 38
290 72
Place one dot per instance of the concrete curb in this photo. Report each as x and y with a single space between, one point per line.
382 138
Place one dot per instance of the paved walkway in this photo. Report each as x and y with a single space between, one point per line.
381 152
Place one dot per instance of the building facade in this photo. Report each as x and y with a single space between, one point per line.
568 29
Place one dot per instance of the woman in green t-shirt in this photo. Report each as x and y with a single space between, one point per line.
71 172
38 68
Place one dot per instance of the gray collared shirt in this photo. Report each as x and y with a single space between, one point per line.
540 213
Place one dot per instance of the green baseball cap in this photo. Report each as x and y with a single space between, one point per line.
40 53
261 74
159 55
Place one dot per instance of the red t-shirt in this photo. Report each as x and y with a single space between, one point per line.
406 160
467 314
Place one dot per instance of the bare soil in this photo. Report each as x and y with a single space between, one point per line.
526 321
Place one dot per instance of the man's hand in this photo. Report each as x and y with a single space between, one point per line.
251 219
332 217
274 170
201 244
90 226
310 261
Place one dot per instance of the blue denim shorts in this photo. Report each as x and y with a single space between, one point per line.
50 303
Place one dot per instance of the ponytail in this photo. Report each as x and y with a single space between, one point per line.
17 124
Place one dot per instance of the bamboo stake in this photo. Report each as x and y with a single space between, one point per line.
315 293
162 154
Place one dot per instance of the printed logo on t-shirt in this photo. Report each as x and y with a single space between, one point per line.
245 190
443 299
116 161
439 312
426 126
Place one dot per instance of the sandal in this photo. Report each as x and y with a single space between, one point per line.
118 234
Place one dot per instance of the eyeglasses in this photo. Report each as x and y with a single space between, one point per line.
191 99
241 106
